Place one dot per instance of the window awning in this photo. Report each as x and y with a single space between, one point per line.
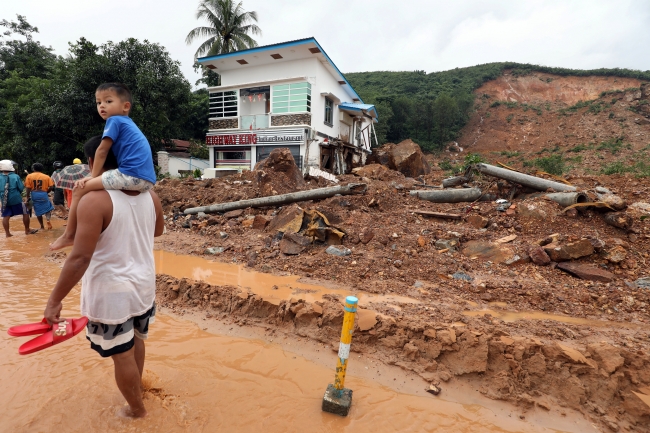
356 109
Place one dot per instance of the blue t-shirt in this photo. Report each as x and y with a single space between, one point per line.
131 148
15 188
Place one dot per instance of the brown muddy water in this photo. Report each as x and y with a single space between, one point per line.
196 381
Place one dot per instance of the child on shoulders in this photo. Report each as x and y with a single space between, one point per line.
135 170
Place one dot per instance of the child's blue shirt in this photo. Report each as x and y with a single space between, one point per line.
131 148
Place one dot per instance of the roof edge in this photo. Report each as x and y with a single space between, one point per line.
283 45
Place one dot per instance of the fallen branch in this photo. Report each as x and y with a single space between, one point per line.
522 179
277 200
449 216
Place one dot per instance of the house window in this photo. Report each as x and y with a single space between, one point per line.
223 104
291 98
232 156
329 108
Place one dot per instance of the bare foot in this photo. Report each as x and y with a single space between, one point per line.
127 412
62 242
8 235
49 225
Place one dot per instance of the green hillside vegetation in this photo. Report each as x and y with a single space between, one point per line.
432 108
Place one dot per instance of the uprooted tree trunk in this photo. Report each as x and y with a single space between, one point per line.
276 200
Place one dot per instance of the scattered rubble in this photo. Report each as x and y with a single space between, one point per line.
450 259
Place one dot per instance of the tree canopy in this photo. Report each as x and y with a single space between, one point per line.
47 103
229 28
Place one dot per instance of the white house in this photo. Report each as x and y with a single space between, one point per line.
286 95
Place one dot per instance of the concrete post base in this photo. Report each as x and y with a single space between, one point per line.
337 401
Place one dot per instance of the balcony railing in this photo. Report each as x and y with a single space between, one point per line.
255 121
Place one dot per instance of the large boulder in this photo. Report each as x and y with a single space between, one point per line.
278 173
408 159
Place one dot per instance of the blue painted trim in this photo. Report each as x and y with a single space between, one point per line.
350 310
278 46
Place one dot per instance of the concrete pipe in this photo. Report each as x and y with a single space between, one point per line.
566 199
523 179
451 195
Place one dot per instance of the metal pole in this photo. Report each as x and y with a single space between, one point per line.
346 339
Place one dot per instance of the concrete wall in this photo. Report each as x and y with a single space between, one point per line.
172 164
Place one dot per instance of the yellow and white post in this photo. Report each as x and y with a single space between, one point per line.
337 398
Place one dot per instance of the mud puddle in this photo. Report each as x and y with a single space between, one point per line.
272 288
196 381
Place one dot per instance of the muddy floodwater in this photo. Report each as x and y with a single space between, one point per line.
195 381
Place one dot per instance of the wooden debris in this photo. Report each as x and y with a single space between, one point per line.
449 216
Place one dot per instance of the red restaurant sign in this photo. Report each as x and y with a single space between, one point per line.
221 140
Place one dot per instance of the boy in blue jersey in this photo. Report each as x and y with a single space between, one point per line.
135 170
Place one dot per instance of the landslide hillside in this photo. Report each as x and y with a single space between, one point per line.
571 126
438 108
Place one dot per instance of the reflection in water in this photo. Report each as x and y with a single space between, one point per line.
195 381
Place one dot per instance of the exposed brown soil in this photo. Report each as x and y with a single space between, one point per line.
594 368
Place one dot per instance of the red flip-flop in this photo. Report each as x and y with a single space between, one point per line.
60 332
29 329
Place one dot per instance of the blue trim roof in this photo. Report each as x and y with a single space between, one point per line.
282 45
360 107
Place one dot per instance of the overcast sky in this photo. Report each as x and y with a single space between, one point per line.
360 35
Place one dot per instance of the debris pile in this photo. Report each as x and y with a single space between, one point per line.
571 256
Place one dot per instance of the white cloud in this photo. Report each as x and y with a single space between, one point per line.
363 35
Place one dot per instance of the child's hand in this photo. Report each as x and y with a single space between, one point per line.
81 182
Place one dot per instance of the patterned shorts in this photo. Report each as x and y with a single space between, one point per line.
116 180
109 340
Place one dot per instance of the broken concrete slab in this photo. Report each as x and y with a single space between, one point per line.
586 272
487 251
293 243
569 251
289 220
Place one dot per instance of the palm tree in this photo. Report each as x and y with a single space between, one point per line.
229 28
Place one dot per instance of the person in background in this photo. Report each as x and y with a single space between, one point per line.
38 184
11 199
68 192
59 195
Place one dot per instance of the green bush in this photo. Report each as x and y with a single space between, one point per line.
554 164
616 168
578 148
509 118
614 145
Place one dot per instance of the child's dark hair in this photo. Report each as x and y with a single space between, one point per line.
37 166
90 147
120 89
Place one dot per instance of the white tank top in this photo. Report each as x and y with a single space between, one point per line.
120 281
